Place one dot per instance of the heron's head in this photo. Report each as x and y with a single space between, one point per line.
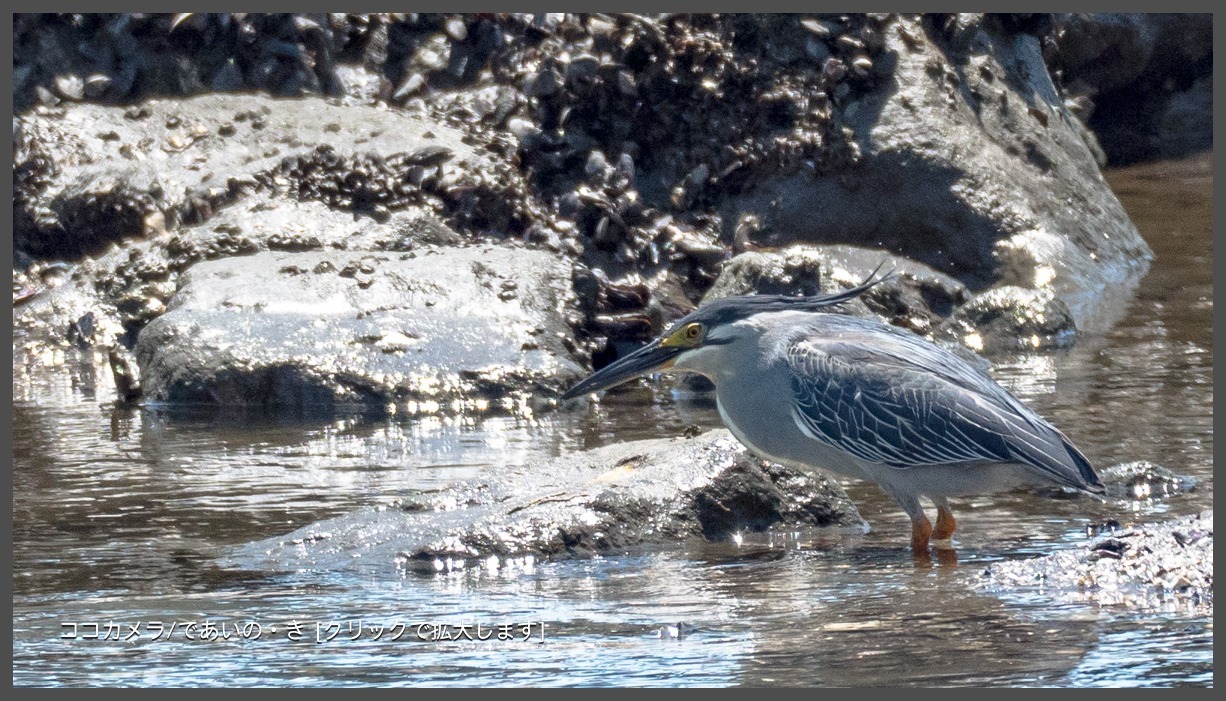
693 342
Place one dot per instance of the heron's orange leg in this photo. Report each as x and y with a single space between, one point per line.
945 523
921 533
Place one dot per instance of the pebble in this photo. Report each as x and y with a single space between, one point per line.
410 85
70 86
456 29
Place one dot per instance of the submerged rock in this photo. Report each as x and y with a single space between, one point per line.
1143 480
1011 319
460 330
1150 566
606 500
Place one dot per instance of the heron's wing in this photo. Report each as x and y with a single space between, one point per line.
907 403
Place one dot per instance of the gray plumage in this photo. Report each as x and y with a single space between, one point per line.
809 388
887 396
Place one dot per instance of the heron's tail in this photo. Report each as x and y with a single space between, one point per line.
1092 484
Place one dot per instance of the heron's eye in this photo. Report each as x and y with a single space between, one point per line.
688 336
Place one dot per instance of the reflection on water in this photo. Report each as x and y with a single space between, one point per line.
119 514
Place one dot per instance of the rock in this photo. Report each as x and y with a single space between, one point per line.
265 223
1185 126
1143 567
917 298
74 194
1048 262
608 500
434 331
96 86
228 78
1105 50
1144 73
940 139
963 153
69 316
1143 480
413 83
147 214
70 86
544 84
1011 319
129 284
455 28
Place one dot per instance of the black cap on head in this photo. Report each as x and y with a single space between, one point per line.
730 309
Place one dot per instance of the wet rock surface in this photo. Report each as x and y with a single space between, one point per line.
92 175
1142 480
1147 566
656 155
916 298
131 284
454 330
970 145
1010 319
607 500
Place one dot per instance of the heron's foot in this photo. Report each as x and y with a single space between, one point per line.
938 557
921 533
946 525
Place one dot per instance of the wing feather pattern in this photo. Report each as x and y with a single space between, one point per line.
906 403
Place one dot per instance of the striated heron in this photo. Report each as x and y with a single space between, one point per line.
814 389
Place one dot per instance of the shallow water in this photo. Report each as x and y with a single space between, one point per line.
118 515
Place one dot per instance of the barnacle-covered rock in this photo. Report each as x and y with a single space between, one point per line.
432 331
1162 566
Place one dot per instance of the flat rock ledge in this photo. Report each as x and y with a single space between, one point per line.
607 500
453 330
